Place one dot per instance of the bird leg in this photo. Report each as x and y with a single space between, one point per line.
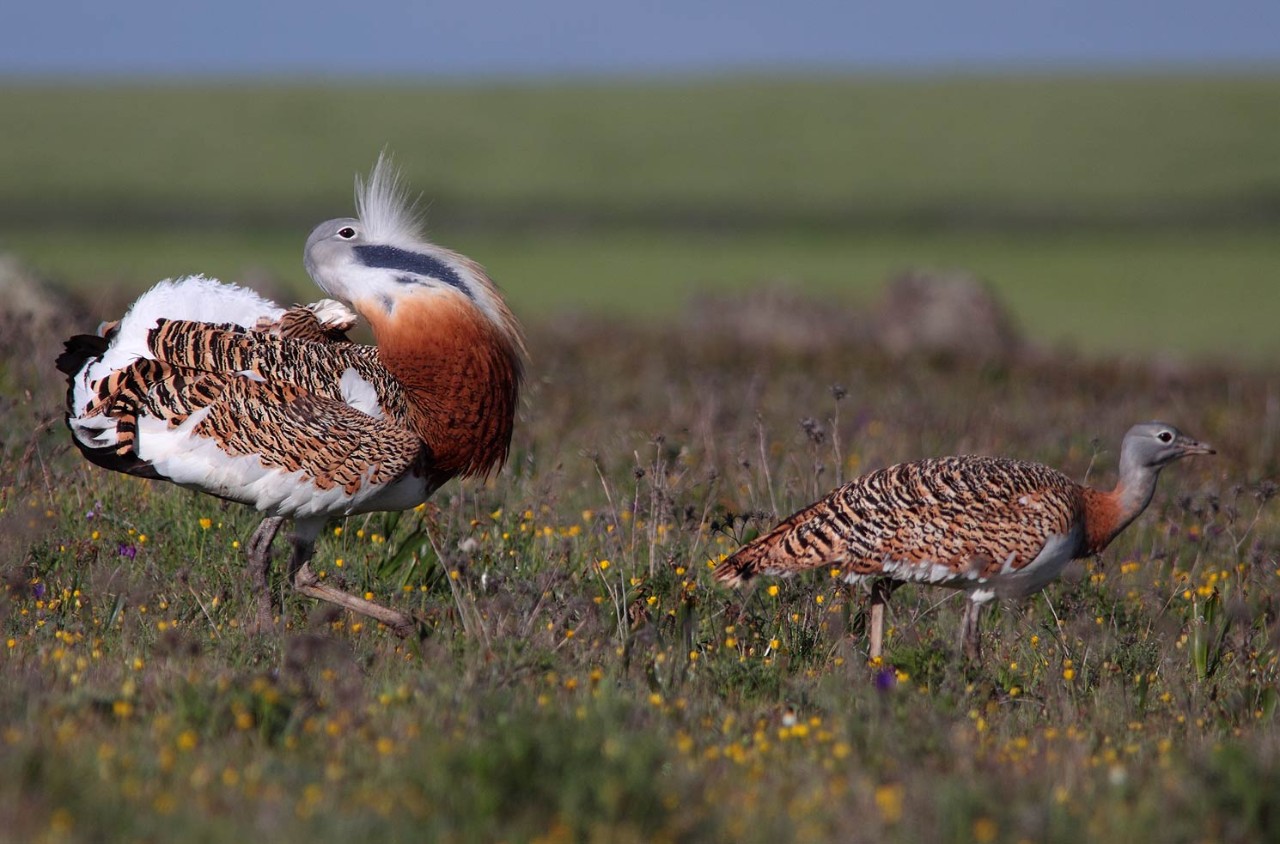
970 639
258 553
306 582
881 589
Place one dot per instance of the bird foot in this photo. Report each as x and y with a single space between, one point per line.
306 582
264 620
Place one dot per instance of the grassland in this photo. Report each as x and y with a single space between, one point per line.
1118 214
775 147
582 679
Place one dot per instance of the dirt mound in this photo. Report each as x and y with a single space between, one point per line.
35 319
950 315
31 307
779 317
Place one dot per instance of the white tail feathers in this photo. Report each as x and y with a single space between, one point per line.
194 298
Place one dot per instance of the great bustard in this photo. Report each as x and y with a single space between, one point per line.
212 387
989 526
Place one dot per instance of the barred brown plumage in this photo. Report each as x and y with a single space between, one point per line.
990 526
214 388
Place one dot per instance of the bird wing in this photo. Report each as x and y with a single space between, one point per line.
324 321
318 441
968 518
262 418
342 371
935 520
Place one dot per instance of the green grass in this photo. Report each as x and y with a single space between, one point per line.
1115 213
1148 293
776 145
559 698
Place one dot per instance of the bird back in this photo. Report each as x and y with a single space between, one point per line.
271 408
931 519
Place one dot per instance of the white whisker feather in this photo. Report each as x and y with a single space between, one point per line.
384 206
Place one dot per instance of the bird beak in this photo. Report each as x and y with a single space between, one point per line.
1189 447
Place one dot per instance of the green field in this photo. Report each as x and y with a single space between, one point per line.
582 679
1118 214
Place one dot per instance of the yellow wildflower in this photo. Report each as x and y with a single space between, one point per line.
889 802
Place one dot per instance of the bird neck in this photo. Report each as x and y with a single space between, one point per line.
1107 513
460 373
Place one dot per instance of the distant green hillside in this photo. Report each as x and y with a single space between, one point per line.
880 146
1161 194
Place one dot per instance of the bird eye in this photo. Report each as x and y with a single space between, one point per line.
1165 436
346 232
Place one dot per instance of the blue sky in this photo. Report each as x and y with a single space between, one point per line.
589 37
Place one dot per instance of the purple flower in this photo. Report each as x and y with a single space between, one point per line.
886 680
38 591
127 551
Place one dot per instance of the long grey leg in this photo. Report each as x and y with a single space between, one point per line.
970 638
258 553
881 589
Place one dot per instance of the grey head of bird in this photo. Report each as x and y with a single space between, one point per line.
379 258
1153 445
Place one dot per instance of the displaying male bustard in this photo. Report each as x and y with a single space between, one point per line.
989 526
212 387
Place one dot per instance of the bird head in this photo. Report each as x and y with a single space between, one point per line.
1154 445
441 326
379 260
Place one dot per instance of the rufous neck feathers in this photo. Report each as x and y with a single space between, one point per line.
460 372
1107 513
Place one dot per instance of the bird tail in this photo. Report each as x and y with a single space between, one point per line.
807 540
112 376
79 350
739 568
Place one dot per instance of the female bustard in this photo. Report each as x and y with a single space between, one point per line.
989 526
214 388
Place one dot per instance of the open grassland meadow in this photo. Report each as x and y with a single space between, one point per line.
700 268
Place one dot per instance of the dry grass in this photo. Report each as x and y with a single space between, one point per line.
582 678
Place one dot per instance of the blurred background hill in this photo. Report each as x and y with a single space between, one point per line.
1112 177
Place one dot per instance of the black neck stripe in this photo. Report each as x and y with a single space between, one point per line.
401 260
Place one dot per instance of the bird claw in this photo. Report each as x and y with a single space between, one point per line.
261 624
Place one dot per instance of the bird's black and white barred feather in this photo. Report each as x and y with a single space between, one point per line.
215 388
